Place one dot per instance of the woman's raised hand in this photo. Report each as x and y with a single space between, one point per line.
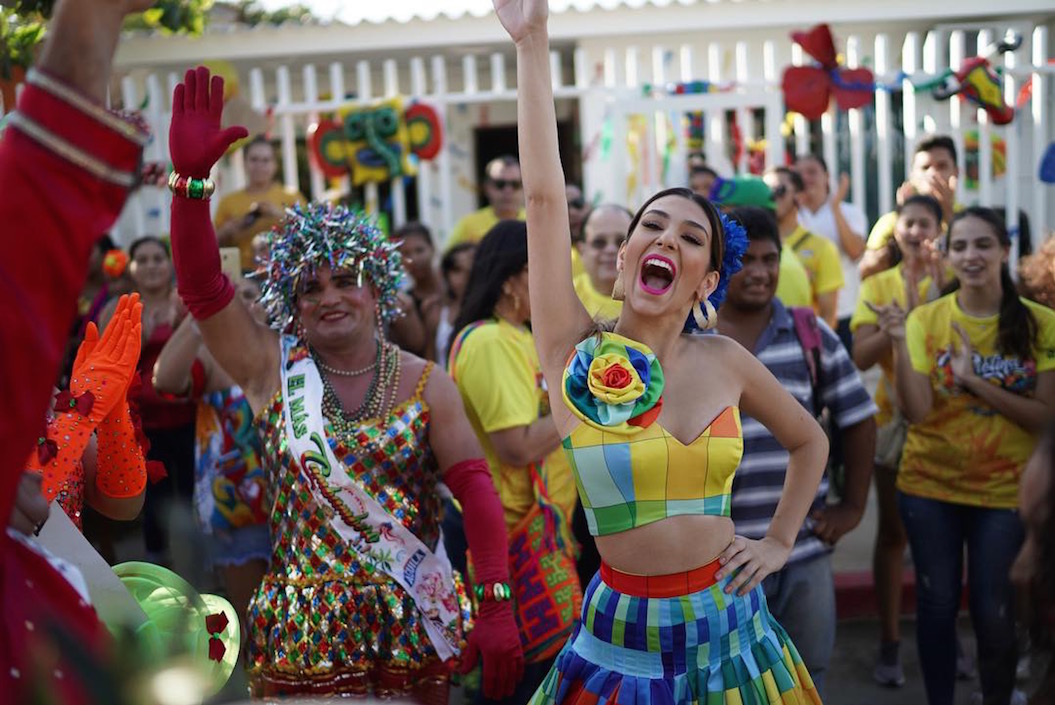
196 140
522 18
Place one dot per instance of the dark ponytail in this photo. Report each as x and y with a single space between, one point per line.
1017 331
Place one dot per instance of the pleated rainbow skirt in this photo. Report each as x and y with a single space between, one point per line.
705 647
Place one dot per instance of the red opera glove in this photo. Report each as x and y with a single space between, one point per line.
495 636
496 639
196 141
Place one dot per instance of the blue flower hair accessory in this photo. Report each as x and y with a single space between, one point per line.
735 247
320 233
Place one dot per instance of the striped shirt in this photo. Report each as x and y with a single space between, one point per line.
760 480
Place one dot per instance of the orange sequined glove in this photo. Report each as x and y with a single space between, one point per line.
101 374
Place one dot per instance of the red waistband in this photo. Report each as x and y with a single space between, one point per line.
671 585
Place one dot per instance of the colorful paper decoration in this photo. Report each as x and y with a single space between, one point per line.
808 90
374 142
972 160
978 82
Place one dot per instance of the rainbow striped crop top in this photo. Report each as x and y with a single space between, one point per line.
631 471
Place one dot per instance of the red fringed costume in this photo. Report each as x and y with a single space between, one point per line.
66 168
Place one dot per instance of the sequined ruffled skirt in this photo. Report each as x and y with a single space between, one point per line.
313 636
704 648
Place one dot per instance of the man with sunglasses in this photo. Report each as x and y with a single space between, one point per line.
505 201
604 230
818 255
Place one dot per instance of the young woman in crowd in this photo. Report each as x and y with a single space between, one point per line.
916 279
230 489
455 267
974 379
494 363
629 406
168 422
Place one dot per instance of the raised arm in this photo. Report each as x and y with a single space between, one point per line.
248 350
558 318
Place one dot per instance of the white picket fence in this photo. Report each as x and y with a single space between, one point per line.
873 144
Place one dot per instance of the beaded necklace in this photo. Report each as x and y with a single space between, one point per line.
379 398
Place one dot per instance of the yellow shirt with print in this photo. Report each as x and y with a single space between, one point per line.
820 258
883 289
793 287
236 205
499 376
473 227
965 452
599 306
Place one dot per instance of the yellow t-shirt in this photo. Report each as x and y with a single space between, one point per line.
473 227
498 373
599 306
883 289
883 230
237 204
820 258
793 287
964 451
577 267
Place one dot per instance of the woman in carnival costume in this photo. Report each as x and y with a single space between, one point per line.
677 613
359 597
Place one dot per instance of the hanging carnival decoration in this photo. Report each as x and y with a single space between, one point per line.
375 142
808 90
980 83
972 159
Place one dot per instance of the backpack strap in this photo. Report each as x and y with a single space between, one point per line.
809 335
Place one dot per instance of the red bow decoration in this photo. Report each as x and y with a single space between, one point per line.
214 625
65 401
808 90
47 449
156 471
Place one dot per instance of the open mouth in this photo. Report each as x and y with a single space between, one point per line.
657 274
974 269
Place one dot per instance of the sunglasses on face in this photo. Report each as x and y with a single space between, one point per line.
503 184
577 203
600 243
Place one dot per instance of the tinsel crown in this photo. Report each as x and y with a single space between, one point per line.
321 233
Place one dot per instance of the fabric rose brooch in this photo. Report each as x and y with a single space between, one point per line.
614 383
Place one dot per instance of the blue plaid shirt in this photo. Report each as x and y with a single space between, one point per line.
760 479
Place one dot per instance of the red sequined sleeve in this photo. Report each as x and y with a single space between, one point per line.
66 168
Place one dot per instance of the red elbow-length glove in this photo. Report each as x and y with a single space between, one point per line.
495 636
196 142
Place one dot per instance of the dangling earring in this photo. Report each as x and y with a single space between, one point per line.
618 293
516 303
705 315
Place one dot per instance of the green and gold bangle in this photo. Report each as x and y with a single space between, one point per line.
197 189
493 592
